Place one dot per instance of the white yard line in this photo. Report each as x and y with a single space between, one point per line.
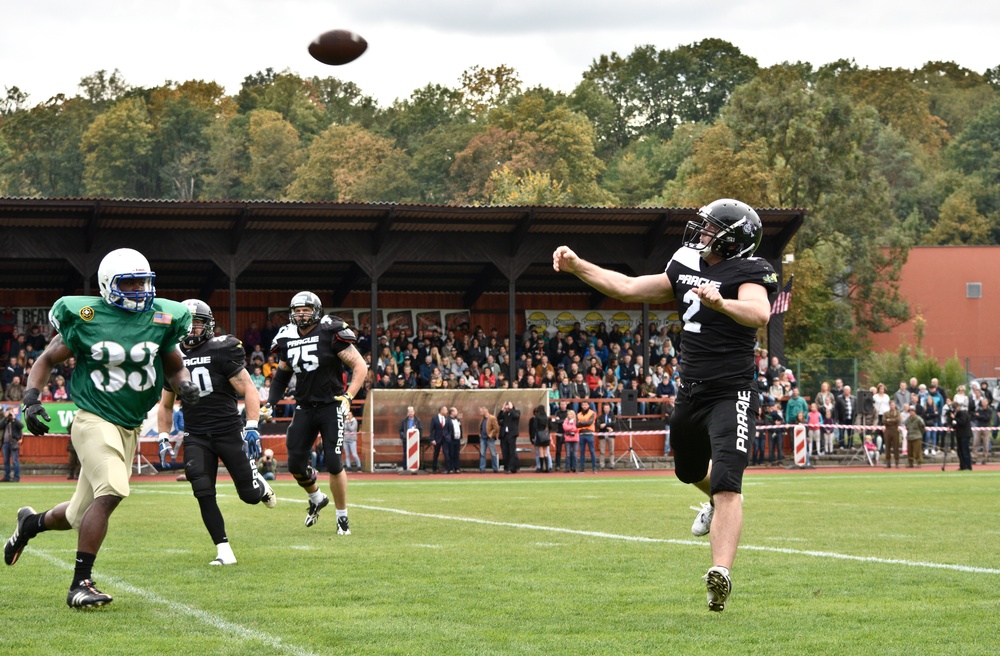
637 538
214 621
701 543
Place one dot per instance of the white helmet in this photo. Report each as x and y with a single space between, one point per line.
126 264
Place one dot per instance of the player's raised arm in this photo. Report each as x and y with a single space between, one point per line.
654 288
750 309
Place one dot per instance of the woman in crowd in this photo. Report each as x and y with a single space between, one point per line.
538 431
571 438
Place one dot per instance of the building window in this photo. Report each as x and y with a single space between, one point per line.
973 290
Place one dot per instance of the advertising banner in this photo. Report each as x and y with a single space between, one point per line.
562 321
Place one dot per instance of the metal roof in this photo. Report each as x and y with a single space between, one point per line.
53 243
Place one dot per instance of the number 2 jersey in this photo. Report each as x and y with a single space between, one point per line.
314 357
714 346
119 372
212 363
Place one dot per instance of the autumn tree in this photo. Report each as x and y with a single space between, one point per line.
347 163
891 92
180 115
115 148
656 90
343 103
819 147
568 137
44 148
486 88
490 150
959 223
228 158
720 166
531 188
275 154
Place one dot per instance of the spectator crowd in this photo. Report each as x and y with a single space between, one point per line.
577 365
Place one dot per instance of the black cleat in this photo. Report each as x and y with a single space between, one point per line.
314 509
17 542
343 526
85 595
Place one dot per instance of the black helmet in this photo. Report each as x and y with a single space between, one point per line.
734 227
305 299
199 312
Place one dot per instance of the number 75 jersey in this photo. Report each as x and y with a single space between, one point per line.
713 345
119 369
315 359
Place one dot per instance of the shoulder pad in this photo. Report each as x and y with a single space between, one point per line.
343 332
230 347
288 331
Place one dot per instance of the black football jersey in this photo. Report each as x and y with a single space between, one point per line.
714 346
212 364
319 371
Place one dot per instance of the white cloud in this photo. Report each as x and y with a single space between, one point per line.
47 46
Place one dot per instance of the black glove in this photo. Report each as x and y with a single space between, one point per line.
31 411
188 392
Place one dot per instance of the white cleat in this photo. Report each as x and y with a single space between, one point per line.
703 522
269 499
224 560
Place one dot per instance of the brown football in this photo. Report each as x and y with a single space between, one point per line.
337 47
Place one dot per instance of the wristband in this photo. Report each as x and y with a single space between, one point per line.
251 423
30 396
164 436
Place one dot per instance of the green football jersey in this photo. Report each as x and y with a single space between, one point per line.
119 372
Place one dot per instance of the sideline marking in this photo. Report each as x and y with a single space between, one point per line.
212 620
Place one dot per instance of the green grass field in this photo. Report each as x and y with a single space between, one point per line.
832 563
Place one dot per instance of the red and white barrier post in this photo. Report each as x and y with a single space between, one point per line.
413 450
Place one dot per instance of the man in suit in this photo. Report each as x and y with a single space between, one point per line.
509 419
845 408
440 429
453 442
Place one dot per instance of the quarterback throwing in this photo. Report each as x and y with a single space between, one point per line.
721 292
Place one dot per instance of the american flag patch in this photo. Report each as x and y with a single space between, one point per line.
162 317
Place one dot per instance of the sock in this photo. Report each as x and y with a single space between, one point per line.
316 496
35 525
225 552
725 570
84 566
341 513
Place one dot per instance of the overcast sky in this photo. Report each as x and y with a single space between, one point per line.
46 46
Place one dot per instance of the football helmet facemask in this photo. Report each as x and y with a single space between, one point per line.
121 265
200 311
733 228
305 299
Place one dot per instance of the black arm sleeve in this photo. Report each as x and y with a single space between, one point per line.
278 386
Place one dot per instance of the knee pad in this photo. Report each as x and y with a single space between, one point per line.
201 485
299 465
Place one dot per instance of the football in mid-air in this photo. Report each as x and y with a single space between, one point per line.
337 47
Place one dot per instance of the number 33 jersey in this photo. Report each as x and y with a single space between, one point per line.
713 345
315 359
119 371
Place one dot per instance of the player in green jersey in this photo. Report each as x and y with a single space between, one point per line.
125 343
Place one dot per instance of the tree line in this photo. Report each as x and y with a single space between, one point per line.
883 159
